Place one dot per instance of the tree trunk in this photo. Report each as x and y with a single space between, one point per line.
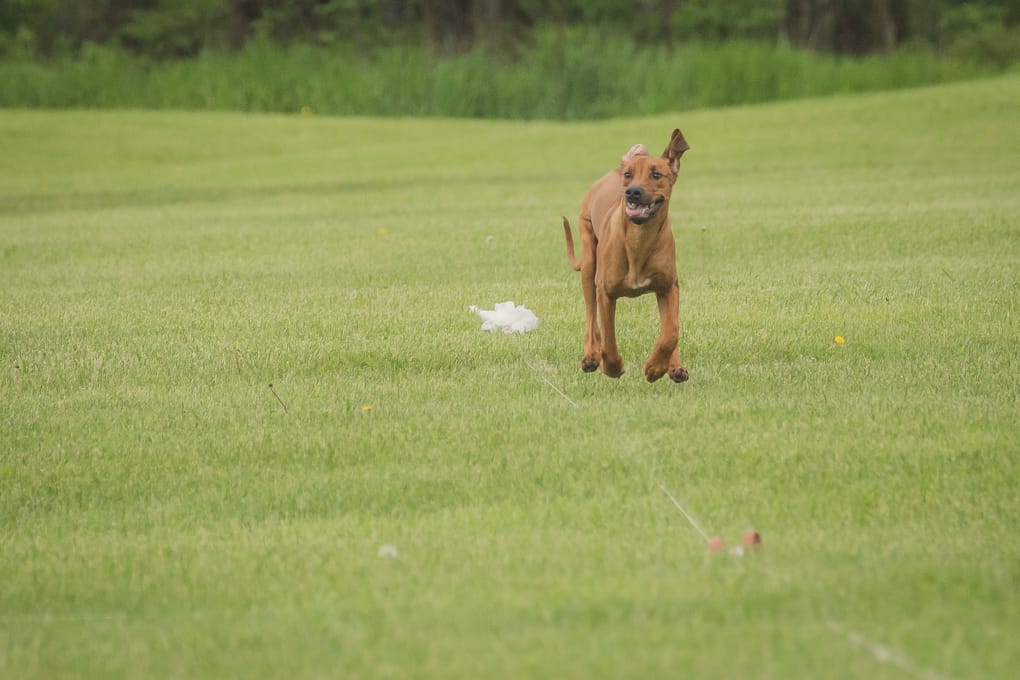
806 20
448 25
885 25
666 9
486 22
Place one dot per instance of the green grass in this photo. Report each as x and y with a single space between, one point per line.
562 75
162 516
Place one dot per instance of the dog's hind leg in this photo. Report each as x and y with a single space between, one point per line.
592 336
612 362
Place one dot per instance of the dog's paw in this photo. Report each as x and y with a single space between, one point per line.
588 364
612 368
678 374
653 373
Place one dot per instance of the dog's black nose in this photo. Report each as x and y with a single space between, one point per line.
634 194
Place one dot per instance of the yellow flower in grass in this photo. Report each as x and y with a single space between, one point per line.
306 110
366 409
839 340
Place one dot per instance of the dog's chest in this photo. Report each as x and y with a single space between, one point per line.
632 260
622 283
638 285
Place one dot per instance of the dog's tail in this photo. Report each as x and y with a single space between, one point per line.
571 257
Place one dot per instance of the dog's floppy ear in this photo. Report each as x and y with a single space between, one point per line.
675 149
636 150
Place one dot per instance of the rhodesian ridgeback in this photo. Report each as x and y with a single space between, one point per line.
627 250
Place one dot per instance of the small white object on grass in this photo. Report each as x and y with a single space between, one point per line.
387 551
507 317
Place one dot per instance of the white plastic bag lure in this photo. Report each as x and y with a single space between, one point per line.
507 317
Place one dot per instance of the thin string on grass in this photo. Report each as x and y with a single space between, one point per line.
886 654
558 390
690 518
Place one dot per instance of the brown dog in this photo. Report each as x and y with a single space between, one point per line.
627 250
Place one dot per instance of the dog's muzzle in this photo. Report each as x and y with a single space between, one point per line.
639 212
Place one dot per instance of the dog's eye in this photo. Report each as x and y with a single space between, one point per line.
628 174
656 174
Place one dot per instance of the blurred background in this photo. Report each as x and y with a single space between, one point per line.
564 59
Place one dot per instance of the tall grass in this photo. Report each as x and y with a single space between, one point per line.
564 74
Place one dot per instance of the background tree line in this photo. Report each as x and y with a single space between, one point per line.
983 29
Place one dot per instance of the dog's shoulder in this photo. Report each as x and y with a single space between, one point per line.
605 193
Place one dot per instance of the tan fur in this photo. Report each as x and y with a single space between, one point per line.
627 255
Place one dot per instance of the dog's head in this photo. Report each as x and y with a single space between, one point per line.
647 181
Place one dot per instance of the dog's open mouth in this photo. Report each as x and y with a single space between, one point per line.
642 212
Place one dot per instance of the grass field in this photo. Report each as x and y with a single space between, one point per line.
163 515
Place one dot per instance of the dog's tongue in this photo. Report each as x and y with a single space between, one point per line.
635 210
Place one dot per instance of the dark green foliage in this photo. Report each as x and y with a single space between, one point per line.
179 28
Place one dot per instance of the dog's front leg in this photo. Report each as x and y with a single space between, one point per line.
665 356
612 362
